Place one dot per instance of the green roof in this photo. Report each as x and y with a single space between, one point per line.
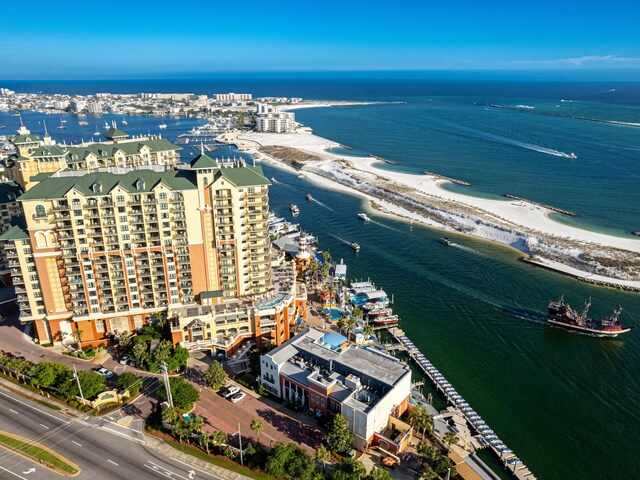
19 139
211 294
160 145
38 177
49 151
243 177
203 161
101 150
14 233
115 133
56 187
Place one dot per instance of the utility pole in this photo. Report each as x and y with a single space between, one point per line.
240 438
75 375
167 385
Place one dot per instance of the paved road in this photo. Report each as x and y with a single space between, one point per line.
102 451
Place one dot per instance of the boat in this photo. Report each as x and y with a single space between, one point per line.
124 121
562 315
162 126
354 245
294 209
446 241
302 175
382 312
309 197
363 216
106 125
62 125
97 132
83 123
572 155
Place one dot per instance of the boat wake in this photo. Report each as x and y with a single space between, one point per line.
467 249
340 239
324 205
522 314
386 226
508 141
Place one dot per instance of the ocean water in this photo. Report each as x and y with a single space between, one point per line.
566 403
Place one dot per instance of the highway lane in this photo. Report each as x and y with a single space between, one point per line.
101 450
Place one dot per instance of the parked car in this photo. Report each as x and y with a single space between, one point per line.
237 397
389 462
231 391
124 359
103 371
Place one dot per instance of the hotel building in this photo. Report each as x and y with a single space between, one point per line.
324 374
271 119
231 97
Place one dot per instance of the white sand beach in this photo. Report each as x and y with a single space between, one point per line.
520 224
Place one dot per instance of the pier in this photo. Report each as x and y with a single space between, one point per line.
448 179
555 209
485 435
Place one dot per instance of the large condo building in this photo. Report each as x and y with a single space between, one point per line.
271 119
103 250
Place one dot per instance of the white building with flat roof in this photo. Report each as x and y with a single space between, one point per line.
272 120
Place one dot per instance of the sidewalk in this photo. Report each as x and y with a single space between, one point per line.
166 449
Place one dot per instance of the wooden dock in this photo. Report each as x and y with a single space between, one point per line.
485 436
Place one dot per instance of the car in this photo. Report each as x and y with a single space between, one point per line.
103 371
231 391
237 397
389 462
124 359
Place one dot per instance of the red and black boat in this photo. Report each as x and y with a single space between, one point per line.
562 315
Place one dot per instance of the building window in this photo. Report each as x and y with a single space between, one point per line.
163 196
41 211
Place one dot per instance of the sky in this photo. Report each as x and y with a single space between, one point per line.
73 39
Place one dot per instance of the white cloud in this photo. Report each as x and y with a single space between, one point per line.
577 62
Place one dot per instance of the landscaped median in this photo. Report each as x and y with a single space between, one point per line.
38 454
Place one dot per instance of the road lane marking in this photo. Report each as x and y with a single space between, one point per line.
209 474
111 461
73 441
164 471
123 435
43 425
14 474
12 410
34 408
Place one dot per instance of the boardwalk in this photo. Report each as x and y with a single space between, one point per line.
486 436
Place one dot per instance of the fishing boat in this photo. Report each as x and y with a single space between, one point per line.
562 315
363 216
446 241
309 197
162 126
355 246
294 209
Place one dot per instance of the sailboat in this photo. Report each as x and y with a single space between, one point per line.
62 125
97 132
106 125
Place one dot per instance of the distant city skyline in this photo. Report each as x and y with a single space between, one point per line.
66 40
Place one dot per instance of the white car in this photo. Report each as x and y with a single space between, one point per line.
237 397
231 391
104 372
124 360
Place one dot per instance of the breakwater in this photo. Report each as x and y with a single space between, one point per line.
448 179
383 159
559 115
549 207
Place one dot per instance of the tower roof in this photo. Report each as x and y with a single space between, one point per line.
115 133
204 161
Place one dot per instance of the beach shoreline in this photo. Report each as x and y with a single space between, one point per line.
526 226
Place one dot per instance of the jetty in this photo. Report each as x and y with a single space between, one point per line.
485 436
549 207
383 159
448 179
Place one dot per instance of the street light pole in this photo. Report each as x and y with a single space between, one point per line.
167 385
240 438
75 375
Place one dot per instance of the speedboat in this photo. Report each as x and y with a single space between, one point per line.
446 241
162 126
294 209
353 245
363 216
309 197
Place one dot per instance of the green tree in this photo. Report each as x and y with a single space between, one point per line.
92 384
348 469
427 451
257 426
140 354
170 415
420 419
205 440
326 256
220 439
287 459
368 330
162 352
351 325
178 359
183 393
339 438
77 335
322 455
442 465
341 324
49 374
196 423
378 474
450 438
429 474
357 313
215 375
131 382
181 428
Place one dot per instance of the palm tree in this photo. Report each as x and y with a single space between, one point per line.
450 438
322 455
170 415
351 325
326 256
256 426
420 419
181 428
195 425
341 324
357 313
219 438
205 440
77 335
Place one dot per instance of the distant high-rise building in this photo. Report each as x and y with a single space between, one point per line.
232 97
271 119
